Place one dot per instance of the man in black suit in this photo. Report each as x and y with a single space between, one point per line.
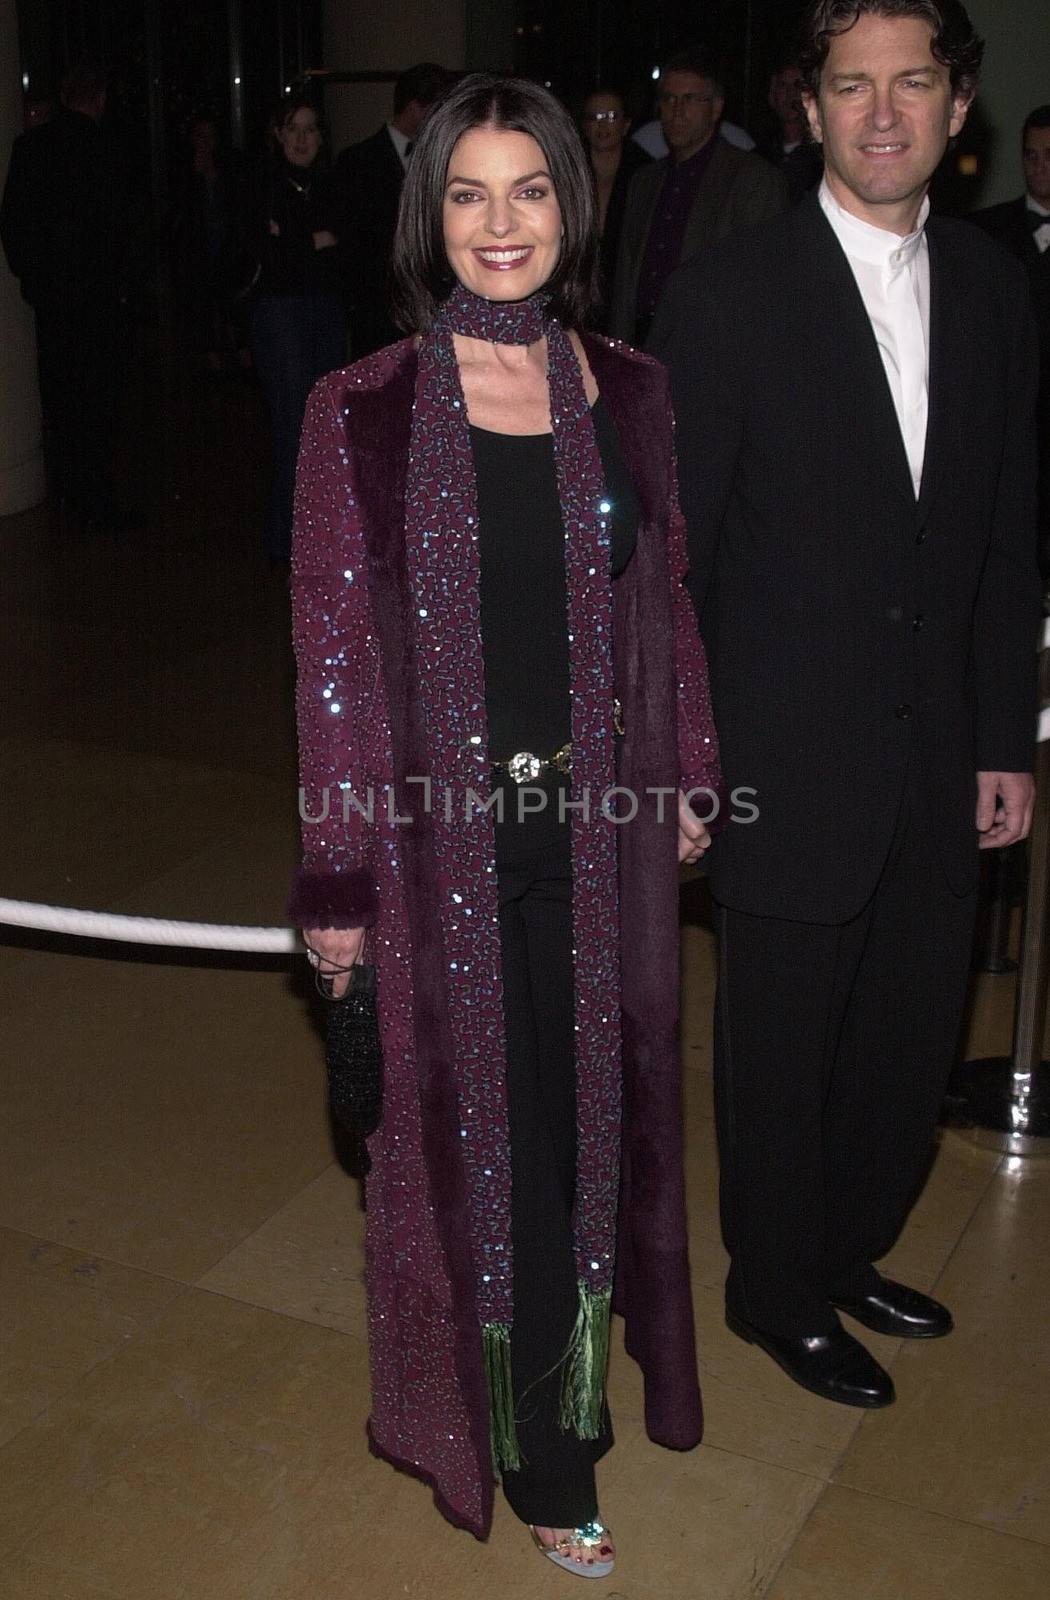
854 389
704 190
1023 226
368 180
64 228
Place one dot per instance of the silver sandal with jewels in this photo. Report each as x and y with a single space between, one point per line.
595 1557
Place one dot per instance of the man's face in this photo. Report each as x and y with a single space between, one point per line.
1037 164
785 95
884 113
689 112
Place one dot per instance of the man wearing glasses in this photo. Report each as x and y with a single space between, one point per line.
704 190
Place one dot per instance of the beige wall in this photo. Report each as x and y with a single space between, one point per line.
1016 79
363 35
21 462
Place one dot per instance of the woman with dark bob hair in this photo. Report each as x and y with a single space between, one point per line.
503 713
298 318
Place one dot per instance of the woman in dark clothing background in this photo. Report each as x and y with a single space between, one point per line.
299 320
614 161
213 259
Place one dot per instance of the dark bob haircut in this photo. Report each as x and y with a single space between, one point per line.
288 105
956 43
421 273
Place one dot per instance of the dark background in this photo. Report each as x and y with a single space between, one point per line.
169 59
572 46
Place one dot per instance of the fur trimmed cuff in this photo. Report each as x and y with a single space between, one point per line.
333 899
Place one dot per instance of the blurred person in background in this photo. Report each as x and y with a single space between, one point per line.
704 190
65 227
614 161
791 149
213 263
36 110
1023 226
369 177
298 327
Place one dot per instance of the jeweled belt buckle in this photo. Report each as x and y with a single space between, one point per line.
526 768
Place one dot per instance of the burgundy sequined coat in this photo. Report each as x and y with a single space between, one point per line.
360 738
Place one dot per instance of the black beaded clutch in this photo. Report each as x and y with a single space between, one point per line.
354 1055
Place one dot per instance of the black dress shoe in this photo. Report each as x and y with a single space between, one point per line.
833 1365
898 1311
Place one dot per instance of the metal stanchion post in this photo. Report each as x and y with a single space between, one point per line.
1010 1095
993 950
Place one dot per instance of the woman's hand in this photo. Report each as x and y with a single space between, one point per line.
324 239
334 948
693 837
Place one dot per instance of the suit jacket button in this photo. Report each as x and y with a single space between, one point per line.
903 713
920 537
918 622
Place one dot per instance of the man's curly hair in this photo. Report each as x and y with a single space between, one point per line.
956 43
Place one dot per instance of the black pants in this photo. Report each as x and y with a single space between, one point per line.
832 1052
555 1486
78 359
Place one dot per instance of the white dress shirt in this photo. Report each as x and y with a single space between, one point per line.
893 276
1041 235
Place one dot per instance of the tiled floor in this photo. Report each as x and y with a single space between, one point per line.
182 1362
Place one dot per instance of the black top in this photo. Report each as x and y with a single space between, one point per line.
299 201
524 617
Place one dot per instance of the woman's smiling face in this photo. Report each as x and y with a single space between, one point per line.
502 222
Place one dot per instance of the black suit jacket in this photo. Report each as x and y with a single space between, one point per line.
737 190
853 630
369 177
64 219
1009 224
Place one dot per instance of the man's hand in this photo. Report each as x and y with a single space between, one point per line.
693 837
1005 802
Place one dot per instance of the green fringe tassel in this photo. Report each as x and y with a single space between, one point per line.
495 1339
582 1406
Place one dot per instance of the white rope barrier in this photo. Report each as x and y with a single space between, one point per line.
148 930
